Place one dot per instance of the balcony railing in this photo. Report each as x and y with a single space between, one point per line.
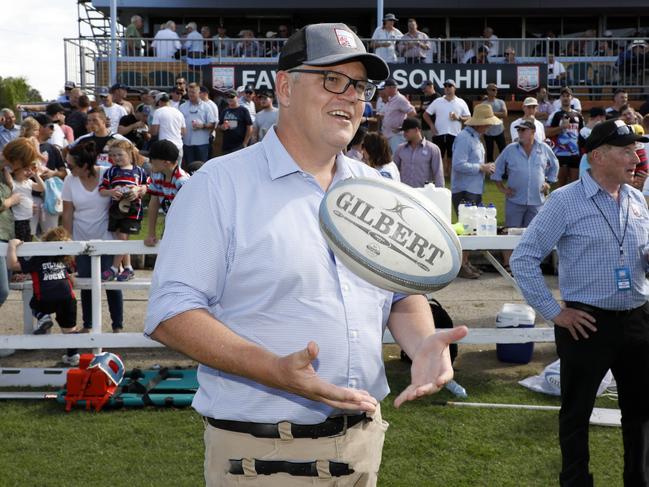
595 63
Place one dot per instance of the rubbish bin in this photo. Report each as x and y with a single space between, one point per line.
513 315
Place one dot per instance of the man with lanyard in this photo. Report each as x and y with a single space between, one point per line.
600 227
563 130
258 296
100 134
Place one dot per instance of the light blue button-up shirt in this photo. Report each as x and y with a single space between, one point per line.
242 240
526 175
589 253
7 135
468 156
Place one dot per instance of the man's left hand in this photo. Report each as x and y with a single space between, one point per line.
431 366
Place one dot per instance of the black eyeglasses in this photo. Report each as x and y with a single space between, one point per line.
338 83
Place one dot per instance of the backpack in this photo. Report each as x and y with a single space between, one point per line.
442 321
52 202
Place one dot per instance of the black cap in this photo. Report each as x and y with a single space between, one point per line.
264 93
204 89
389 82
528 124
411 123
118 86
164 150
612 132
42 119
249 89
326 45
597 112
426 83
54 108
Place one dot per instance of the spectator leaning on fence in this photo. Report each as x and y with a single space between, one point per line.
133 36
52 286
599 226
85 217
384 39
556 71
491 42
247 46
419 160
164 183
414 44
166 42
258 284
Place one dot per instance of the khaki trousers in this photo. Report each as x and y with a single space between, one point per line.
360 447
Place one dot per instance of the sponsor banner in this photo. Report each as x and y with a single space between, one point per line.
469 78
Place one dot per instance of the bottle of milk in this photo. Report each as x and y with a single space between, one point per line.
491 220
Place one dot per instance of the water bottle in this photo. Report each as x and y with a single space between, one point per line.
461 213
470 222
492 222
456 389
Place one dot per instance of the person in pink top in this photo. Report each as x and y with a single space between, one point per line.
395 111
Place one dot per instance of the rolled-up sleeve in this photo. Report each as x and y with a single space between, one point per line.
462 154
194 253
537 242
501 165
552 170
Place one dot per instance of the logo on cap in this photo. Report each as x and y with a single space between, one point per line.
345 39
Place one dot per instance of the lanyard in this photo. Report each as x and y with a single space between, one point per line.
626 223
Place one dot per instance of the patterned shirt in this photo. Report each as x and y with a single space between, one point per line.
157 185
527 173
420 165
118 177
580 219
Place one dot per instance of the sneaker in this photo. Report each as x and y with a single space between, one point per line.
126 275
72 360
43 325
467 273
108 275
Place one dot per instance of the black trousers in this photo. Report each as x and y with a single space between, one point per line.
621 344
489 141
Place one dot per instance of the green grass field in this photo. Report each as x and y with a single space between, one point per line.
428 444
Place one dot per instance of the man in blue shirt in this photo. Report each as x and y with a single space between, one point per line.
289 340
9 130
600 227
531 167
468 169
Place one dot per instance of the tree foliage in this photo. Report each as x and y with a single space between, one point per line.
14 91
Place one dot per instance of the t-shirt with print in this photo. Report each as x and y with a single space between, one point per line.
565 143
166 191
50 277
119 177
233 137
101 144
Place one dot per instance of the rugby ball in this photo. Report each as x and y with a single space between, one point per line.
390 235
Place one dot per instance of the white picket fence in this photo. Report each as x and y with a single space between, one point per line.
97 340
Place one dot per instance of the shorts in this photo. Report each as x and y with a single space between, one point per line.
445 144
124 225
519 216
65 309
571 161
23 230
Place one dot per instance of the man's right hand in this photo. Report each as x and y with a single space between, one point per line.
576 321
488 168
297 375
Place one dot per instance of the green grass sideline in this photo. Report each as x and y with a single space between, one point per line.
427 444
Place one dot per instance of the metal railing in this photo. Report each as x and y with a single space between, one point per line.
595 63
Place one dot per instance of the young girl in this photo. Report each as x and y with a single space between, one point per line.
52 288
21 155
125 183
377 154
29 129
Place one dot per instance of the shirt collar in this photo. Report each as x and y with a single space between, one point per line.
473 132
591 187
280 162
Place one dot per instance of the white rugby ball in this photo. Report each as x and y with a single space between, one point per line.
390 235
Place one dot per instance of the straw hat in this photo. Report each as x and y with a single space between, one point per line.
483 115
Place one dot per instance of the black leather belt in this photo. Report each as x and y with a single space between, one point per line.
300 469
334 426
594 309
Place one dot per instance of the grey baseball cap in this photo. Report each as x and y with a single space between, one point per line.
328 44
